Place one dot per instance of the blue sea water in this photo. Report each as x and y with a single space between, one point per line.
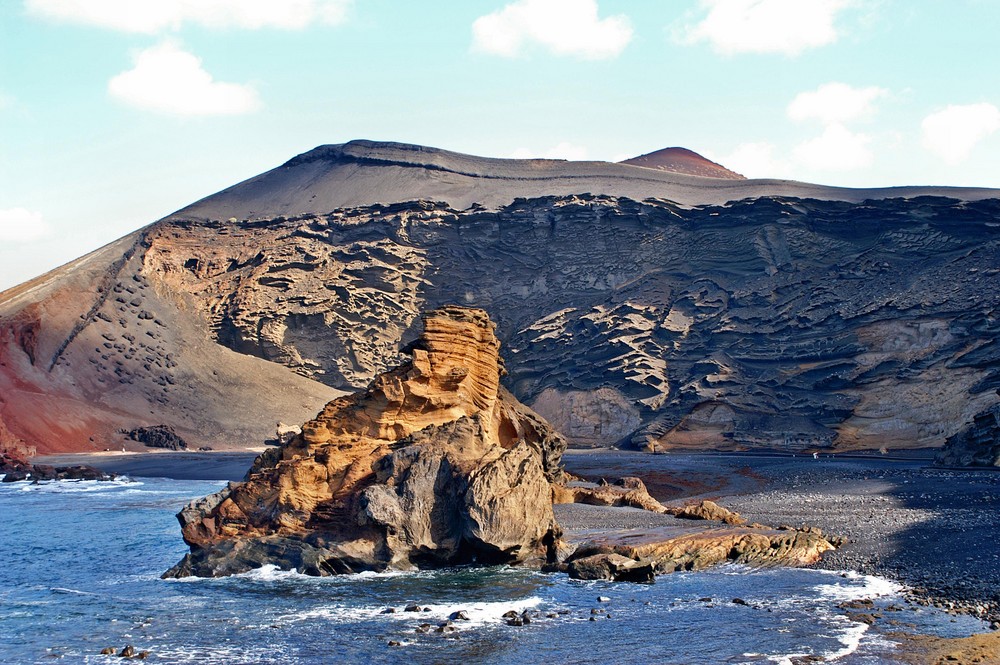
80 565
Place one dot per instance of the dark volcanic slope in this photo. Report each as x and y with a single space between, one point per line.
361 173
682 160
775 321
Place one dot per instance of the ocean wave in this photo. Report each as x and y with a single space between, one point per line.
480 613
870 587
76 486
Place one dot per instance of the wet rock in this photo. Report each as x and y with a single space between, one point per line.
460 615
611 566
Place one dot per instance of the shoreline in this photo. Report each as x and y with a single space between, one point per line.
178 465
929 529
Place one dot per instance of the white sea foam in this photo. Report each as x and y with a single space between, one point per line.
480 613
271 573
77 592
871 587
850 637
76 486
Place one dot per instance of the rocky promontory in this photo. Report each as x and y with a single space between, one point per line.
433 464
436 464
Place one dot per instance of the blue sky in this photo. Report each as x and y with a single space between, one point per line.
114 113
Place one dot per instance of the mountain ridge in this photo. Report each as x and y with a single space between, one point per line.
764 321
363 172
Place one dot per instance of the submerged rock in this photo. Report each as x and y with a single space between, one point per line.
434 464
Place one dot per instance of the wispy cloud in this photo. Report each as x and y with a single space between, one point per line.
836 149
835 106
766 26
563 27
562 150
167 79
835 103
954 132
19 225
153 16
754 160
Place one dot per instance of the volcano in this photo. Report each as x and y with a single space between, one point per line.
636 306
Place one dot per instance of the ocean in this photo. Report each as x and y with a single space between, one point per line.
81 565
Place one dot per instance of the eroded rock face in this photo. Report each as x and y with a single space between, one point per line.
791 324
434 464
660 311
978 444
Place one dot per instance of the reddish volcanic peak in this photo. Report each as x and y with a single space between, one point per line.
682 160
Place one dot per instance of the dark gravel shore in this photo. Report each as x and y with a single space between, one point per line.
934 530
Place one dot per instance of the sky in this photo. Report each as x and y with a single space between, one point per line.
115 113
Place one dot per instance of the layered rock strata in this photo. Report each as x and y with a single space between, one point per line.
977 444
433 464
675 543
658 311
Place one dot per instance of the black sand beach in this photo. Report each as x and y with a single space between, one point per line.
177 465
934 530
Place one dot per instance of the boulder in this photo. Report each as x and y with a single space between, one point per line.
157 436
707 510
611 566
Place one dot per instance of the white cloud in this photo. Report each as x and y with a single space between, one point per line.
952 134
836 149
754 160
152 16
563 150
21 225
170 80
564 27
835 103
767 26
